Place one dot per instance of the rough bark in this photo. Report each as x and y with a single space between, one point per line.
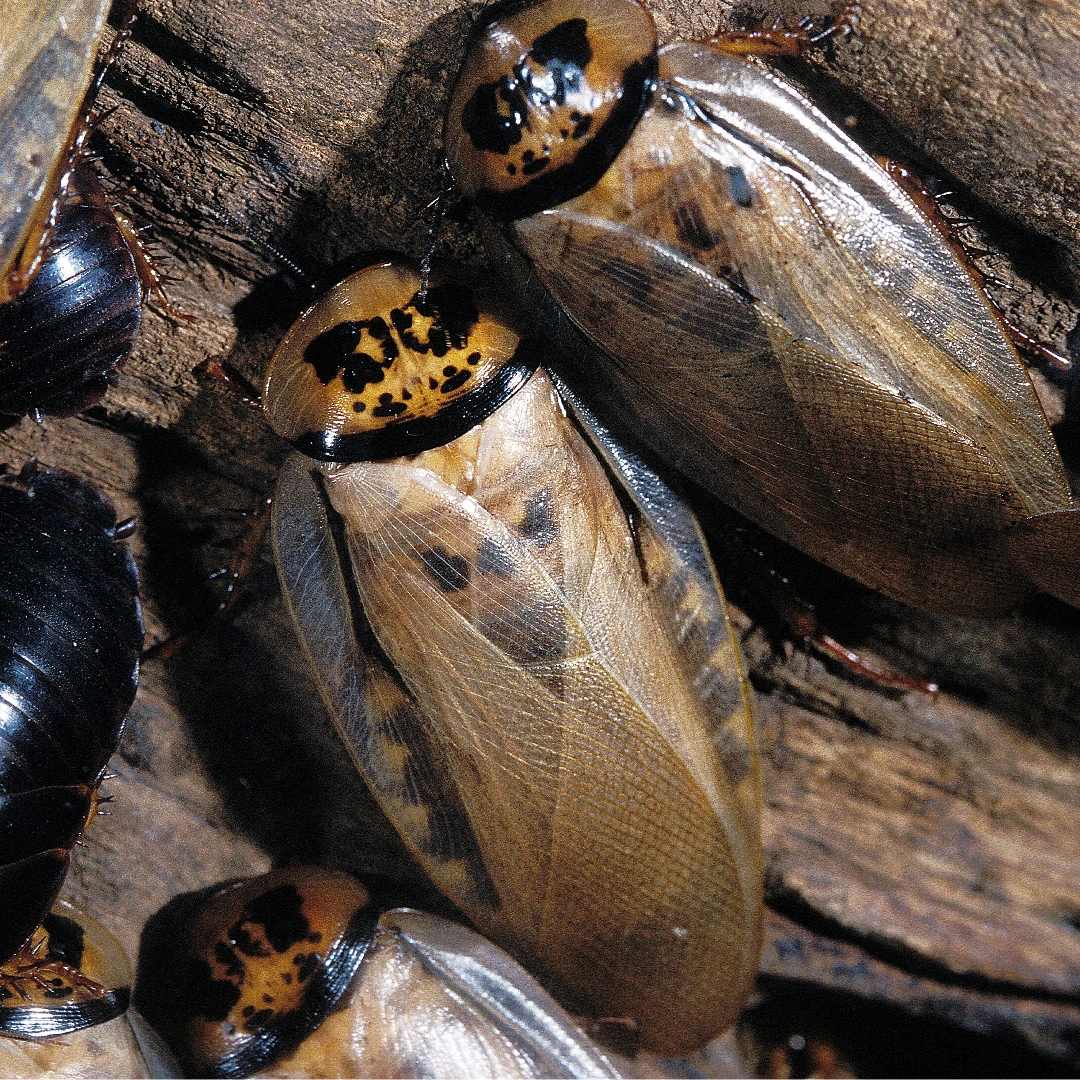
926 850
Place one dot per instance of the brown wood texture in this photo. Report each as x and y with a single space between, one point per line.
920 852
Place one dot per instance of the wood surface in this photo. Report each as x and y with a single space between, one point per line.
921 852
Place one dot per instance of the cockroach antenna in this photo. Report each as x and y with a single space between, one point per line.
438 208
240 227
218 214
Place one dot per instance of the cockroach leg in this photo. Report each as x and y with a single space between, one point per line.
153 281
29 969
868 669
247 550
236 574
792 617
966 255
805 626
776 39
215 368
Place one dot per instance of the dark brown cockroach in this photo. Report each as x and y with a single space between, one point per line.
519 634
70 635
73 273
764 305
295 973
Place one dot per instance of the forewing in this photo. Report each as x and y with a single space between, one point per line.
1045 545
835 241
47 51
507 1025
763 349
685 589
521 622
376 715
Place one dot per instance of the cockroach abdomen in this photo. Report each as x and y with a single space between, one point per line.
76 323
70 636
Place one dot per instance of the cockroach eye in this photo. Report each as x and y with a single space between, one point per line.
374 370
545 101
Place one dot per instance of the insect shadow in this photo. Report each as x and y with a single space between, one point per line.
247 705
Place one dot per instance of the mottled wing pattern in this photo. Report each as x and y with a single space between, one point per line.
882 285
376 715
784 325
555 706
47 50
684 586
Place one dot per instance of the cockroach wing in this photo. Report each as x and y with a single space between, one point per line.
497 1021
360 687
684 585
781 321
542 689
47 51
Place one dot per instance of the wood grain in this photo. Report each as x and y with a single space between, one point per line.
930 844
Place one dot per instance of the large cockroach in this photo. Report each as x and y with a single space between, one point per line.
295 973
70 636
73 273
519 634
767 308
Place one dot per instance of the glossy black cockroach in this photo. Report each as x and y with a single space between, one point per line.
66 335
73 273
70 636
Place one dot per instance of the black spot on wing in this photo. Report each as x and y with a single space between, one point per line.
538 524
424 785
450 572
694 228
493 558
738 186
529 633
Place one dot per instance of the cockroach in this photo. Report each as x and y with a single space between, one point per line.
764 305
73 273
296 973
70 634
71 950
519 634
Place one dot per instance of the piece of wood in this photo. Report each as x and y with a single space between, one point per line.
934 839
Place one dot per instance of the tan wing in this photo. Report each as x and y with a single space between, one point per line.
47 50
1046 546
786 326
686 591
376 715
554 696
